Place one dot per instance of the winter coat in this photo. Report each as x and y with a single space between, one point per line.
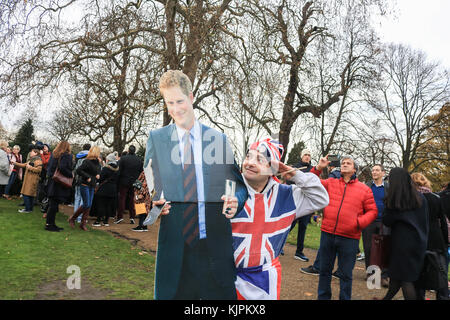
55 190
4 168
352 207
130 167
12 168
32 176
89 169
437 232
409 237
108 181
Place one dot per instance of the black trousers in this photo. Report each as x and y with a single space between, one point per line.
196 280
52 210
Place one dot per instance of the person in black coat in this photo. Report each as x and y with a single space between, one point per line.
437 232
107 191
89 171
406 213
61 158
130 167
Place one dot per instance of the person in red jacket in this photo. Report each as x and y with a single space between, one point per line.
351 209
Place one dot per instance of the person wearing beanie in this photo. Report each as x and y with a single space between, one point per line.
261 228
106 194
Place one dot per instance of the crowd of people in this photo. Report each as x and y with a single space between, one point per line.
101 186
203 254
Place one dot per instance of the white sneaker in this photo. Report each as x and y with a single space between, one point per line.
23 211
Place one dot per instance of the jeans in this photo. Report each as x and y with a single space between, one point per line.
78 201
29 202
346 249
87 194
302 225
11 180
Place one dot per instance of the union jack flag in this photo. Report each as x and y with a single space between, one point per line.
259 233
261 228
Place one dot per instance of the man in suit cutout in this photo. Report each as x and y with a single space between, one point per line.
190 163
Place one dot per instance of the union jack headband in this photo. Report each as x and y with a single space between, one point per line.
271 149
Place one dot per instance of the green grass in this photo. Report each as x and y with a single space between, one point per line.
31 257
312 237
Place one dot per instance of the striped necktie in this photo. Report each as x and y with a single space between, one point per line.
190 214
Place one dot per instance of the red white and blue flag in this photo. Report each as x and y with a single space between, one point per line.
259 233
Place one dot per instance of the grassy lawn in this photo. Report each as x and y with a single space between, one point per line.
312 237
31 257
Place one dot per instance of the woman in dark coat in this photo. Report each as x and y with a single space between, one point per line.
89 171
406 213
437 232
61 158
106 195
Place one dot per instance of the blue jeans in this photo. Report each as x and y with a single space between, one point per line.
78 202
346 249
87 194
29 202
11 180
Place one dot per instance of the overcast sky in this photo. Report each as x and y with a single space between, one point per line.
423 25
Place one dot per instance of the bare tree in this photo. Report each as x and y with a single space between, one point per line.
112 56
409 89
289 37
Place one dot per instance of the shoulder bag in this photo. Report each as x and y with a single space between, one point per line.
380 249
61 179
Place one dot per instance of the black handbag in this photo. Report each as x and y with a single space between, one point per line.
434 272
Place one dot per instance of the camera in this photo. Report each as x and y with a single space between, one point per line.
335 160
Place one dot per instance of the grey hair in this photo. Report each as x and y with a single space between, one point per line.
351 158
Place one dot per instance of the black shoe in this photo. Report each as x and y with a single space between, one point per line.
96 224
50 227
310 270
336 275
140 229
301 257
118 221
131 221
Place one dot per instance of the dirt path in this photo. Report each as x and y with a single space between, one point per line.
295 285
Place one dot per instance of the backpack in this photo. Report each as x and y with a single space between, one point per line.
77 179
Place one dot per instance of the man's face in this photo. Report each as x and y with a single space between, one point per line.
256 168
179 107
306 158
347 167
45 149
377 173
